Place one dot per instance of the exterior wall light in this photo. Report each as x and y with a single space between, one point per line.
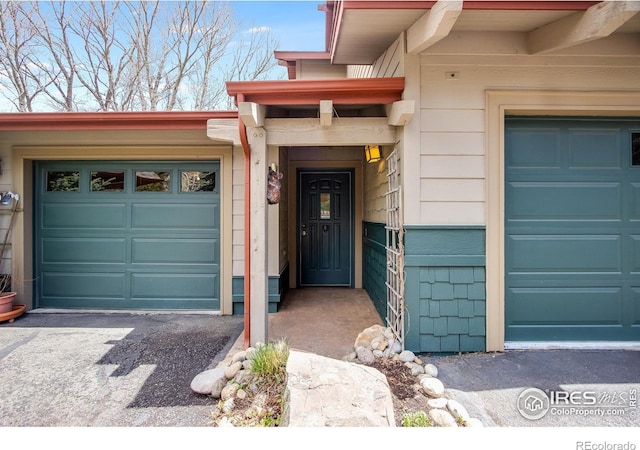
372 153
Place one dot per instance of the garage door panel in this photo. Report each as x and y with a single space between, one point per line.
634 254
564 201
634 204
570 306
173 285
175 216
84 250
635 306
576 254
175 251
533 148
599 149
83 285
84 215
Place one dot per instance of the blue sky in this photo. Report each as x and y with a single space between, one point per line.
297 24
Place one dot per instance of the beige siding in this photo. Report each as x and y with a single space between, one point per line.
452 109
238 212
375 189
283 238
389 64
319 70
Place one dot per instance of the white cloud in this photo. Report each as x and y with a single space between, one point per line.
259 29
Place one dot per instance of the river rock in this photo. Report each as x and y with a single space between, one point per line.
442 418
438 403
231 371
432 386
204 382
407 356
431 370
365 355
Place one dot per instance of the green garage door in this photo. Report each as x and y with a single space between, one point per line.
125 235
572 227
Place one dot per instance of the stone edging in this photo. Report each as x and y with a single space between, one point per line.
379 342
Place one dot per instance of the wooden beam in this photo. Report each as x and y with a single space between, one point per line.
433 25
252 114
223 130
344 131
597 22
326 113
399 113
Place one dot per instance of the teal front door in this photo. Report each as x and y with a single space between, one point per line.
325 228
572 227
127 235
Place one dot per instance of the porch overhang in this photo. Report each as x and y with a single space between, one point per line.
356 91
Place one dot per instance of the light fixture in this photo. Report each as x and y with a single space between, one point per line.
372 153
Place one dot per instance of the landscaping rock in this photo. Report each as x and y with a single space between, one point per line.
473 422
431 370
323 391
458 411
232 370
437 403
407 356
432 386
365 355
204 382
442 418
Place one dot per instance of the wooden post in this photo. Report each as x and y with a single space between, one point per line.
259 237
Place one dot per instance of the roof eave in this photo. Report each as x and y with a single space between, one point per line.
148 120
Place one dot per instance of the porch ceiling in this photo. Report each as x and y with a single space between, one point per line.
362 30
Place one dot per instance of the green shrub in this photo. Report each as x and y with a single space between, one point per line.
416 419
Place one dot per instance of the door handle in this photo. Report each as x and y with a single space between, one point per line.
304 232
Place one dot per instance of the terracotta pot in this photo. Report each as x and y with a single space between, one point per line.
6 301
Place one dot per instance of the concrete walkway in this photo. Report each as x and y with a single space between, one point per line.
324 321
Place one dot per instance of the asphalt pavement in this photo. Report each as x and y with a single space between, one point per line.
565 388
135 370
109 369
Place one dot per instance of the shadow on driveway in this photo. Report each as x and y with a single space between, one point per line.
120 360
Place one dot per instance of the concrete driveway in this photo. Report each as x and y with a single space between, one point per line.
96 370
583 388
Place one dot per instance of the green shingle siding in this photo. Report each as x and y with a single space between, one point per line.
374 265
445 288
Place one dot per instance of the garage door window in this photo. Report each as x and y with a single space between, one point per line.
63 181
635 149
150 181
107 181
196 181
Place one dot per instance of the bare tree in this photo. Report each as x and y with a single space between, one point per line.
20 80
53 23
126 55
250 61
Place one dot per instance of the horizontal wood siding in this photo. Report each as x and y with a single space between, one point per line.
451 185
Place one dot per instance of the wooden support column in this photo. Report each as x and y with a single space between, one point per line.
259 237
